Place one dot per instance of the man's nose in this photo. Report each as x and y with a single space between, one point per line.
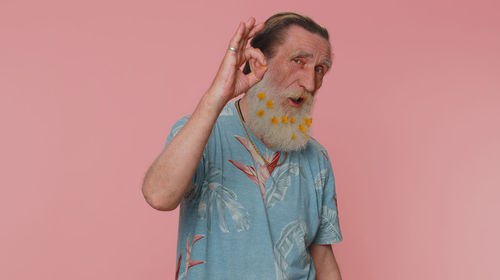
308 80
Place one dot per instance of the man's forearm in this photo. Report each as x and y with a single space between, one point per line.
325 263
330 275
169 177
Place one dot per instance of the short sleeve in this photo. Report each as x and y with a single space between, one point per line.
199 170
176 128
329 229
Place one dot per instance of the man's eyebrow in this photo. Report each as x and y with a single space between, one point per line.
304 53
325 61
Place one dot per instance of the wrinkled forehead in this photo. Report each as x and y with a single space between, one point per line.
299 40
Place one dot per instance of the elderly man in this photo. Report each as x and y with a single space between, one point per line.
257 193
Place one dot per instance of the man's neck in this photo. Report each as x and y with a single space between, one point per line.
244 107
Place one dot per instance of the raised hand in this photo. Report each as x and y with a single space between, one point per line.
170 176
230 80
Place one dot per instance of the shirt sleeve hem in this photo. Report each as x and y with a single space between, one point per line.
327 241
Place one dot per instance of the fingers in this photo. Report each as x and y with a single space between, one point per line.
240 35
256 54
229 77
247 27
235 41
245 31
254 29
249 24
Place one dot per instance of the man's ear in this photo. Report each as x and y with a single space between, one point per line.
258 69
254 65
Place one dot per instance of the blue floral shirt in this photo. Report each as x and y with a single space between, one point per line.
244 219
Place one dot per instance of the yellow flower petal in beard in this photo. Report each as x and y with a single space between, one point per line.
302 128
275 120
261 95
284 119
260 113
270 104
308 121
293 136
292 120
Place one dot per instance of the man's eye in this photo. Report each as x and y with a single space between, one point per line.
319 69
296 60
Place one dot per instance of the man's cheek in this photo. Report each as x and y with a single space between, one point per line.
278 78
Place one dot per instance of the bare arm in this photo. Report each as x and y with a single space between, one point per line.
324 262
170 175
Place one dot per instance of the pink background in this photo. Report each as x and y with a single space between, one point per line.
410 115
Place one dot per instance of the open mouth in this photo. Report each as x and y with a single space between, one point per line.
296 101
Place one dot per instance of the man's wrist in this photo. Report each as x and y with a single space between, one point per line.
215 99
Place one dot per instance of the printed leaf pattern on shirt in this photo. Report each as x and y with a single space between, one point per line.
226 111
263 172
329 226
282 179
320 179
214 199
189 262
293 233
324 154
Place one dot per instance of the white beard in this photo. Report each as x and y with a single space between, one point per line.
281 136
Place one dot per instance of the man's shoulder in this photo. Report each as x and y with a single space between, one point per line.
316 149
225 115
226 119
314 145
228 110
176 127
